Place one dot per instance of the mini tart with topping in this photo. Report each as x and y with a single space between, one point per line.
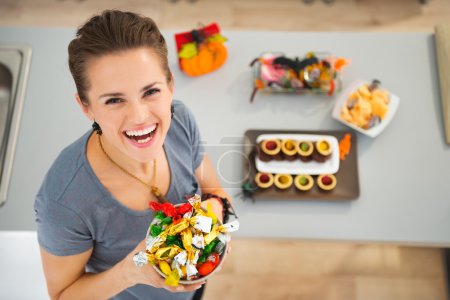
305 150
326 182
323 147
271 147
264 180
303 182
288 147
322 151
283 181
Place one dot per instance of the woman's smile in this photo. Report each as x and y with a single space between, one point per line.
142 137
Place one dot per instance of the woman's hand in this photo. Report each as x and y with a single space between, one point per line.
216 206
147 274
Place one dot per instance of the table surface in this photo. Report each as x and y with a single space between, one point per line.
404 172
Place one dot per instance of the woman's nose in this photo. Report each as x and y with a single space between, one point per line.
138 112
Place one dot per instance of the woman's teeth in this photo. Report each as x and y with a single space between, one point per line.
144 140
140 132
141 136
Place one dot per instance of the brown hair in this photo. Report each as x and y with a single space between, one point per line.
110 32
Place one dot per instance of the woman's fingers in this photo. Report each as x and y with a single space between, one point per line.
184 287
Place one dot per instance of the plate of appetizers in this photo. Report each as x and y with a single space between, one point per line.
311 154
342 185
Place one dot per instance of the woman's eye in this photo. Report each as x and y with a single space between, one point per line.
113 101
151 92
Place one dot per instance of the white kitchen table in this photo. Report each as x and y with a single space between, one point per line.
404 172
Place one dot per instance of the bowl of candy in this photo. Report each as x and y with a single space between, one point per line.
366 107
315 73
185 243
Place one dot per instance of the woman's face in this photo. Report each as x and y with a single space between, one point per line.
130 99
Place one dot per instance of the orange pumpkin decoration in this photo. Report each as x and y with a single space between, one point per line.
210 56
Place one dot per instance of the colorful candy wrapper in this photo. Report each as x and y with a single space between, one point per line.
186 238
220 247
195 201
210 213
193 256
152 244
167 252
181 258
230 227
224 238
173 278
179 227
212 234
201 223
191 271
198 241
176 266
140 259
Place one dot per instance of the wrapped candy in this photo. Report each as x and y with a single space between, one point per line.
181 258
198 241
186 238
201 223
212 234
152 244
140 259
178 227
167 252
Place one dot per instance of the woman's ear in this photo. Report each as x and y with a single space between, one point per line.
84 107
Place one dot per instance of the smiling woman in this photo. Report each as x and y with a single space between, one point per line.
92 210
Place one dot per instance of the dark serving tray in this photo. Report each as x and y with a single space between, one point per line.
347 187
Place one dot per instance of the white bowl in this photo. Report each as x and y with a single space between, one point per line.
375 130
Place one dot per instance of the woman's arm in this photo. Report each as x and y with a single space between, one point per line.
66 277
209 183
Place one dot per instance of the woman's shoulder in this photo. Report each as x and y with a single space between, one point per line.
64 169
183 121
181 111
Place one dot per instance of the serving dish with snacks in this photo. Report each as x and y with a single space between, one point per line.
185 243
315 73
296 165
297 154
366 107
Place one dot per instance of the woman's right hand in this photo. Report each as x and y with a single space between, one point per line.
147 274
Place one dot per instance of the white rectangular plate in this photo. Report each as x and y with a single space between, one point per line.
297 166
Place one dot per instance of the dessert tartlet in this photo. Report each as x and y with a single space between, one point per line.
283 181
271 147
288 147
304 182
305 150
322 151
326 182
264 180
269 150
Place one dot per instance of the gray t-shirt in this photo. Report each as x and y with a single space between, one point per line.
75 212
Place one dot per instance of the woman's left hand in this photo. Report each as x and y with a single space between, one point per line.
216 206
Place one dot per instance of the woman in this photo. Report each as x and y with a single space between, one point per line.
92 209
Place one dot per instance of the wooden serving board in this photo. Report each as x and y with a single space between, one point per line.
347 187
